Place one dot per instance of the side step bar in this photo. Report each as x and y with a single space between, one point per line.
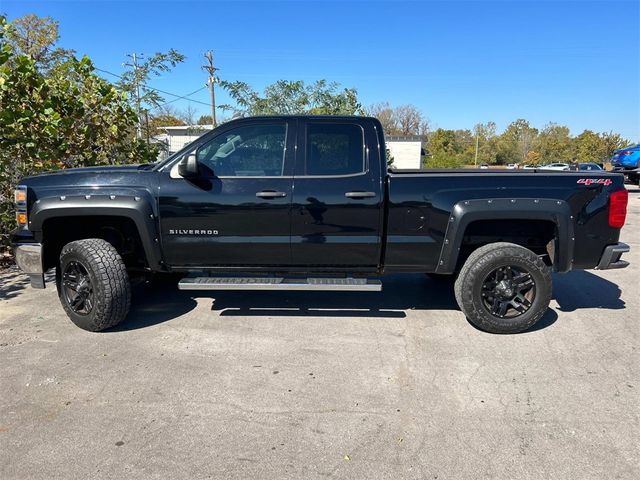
281 283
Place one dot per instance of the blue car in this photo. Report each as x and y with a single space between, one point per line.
627 160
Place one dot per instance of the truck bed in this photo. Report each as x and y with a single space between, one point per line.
422 202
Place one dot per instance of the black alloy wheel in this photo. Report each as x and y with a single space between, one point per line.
77 288
508 291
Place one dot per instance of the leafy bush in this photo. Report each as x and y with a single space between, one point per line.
58 117
445 160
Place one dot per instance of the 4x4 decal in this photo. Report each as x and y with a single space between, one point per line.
594 181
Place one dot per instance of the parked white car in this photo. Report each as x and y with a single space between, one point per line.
512 166
555 166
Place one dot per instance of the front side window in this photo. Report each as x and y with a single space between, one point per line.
248 151
334 149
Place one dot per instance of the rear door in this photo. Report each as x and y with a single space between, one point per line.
337 198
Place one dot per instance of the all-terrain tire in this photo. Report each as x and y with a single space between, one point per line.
481 263
109 283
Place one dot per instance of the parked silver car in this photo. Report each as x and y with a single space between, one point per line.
555 166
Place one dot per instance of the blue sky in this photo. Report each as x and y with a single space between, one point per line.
574 63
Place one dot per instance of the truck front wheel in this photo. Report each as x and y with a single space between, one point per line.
503 288
93 284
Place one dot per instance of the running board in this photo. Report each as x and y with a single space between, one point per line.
281 283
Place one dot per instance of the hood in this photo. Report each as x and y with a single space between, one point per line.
630 147
109 175
100 169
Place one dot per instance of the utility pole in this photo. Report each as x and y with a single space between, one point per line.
477 136
146 124
136 81
212 80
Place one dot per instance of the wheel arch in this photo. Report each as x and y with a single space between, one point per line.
117 209
466 212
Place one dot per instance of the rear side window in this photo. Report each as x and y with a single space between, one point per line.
334 149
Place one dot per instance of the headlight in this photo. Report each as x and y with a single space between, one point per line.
20 197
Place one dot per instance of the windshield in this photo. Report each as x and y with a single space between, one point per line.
589 166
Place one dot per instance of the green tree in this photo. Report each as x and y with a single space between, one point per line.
596 147
554 144
486 141
516 142
65 117
206 120
613 141
445 149
36 37
465 143
162 120
589 147
135 80
292 97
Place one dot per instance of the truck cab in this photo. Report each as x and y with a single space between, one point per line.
239 207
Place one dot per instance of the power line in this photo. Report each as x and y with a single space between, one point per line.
184 97
178 97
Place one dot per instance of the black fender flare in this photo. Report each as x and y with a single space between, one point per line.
467 211
138 208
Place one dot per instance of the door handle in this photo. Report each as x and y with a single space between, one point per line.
360 194
271 194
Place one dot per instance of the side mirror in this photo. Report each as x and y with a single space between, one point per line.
188 166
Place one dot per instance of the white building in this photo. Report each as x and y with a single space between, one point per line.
176 137
406 151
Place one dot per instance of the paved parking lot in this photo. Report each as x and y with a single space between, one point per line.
299 385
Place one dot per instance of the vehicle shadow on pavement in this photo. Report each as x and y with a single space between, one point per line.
400 293
582 289
155 303
161 302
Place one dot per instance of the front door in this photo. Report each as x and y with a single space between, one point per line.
237 212
337 199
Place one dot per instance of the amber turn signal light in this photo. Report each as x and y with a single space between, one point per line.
20 196
21 217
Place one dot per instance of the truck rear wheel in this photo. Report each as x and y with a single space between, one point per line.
503 288
93 284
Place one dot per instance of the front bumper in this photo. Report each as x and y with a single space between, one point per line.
29 260
611 257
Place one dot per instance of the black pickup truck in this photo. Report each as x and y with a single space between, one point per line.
308 203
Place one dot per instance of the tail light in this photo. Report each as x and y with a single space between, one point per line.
618 208
627 152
